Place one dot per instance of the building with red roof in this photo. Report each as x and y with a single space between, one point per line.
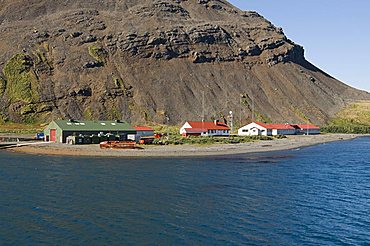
144 128
144 132
204 128
307 129
258 128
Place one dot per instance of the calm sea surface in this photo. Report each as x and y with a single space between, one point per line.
314 196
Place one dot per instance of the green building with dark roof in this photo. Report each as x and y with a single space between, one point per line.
58 130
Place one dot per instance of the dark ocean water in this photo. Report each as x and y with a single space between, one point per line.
314 196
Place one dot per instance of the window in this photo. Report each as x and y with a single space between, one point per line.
113 124
245 130
103 124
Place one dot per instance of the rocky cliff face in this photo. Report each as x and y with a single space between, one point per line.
152 61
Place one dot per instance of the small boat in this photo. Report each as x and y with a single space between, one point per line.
118 145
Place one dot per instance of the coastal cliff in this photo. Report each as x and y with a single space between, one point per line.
156 61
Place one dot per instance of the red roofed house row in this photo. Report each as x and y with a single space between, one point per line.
258 128
203 128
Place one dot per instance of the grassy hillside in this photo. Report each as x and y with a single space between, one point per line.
16 128
355 118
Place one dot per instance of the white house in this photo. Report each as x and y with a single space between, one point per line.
258 128
202 128
254 129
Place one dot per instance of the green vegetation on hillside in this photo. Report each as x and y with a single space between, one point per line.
21 80
114 113
88 113
16 128
261 117
118 82
353 119
165 129
299 113
40 56
2 86
3 118
98 53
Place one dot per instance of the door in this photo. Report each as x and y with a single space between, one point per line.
53 135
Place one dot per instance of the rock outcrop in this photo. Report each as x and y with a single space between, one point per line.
153 61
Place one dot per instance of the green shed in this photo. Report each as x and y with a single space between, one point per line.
58 130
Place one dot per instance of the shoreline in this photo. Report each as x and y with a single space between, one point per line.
291 142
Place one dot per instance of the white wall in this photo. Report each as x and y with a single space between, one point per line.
252 129
182 129
208 133
217 133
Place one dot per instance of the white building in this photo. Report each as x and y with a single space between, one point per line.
254 129
201 128
257 128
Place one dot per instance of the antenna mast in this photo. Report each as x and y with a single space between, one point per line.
231 120
240 111
252 109
203 110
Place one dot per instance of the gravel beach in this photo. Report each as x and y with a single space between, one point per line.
291 142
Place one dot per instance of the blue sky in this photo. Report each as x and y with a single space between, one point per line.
334 33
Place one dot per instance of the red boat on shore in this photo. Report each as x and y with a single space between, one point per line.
118 145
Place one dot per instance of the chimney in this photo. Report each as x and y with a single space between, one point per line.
216 122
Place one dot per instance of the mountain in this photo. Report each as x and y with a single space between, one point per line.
156 61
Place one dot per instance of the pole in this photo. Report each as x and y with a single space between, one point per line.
252 109
240 112
231 118
203 110
307 126
203 113
168 130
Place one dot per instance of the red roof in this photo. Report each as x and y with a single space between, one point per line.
276 126
287 126
143 128
208 125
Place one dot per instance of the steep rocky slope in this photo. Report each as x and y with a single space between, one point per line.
154 60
